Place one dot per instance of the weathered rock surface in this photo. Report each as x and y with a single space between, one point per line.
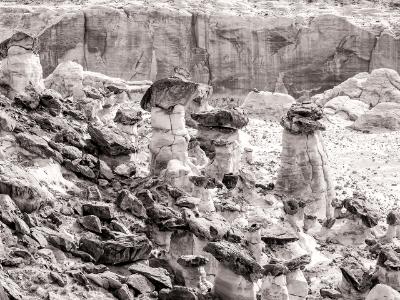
226 118
384 116
158 276
223 44
351 109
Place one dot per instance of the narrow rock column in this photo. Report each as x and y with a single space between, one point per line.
193 270
304 172
393 230
218 133
166 99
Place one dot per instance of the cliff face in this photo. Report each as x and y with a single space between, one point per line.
234 53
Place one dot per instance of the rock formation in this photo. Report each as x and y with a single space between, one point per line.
304 171
167 99
267 105
218 133
384 116
20 66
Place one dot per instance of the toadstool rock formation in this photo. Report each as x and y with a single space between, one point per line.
304 172
218 133
166 99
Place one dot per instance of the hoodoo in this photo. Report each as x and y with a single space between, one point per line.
304 172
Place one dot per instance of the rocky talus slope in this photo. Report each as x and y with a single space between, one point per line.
119 189
233 45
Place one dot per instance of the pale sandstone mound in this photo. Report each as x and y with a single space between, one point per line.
267 105
20 66
382 291
381 85
383 116
304 171
348 108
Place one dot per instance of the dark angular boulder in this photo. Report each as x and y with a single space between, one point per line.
233 118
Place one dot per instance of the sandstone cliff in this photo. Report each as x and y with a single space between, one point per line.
233 46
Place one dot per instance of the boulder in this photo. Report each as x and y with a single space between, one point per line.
128 202
383 291
158 276
6 122
128 116
8 210
352 109
102 211
110 140
140 283
21 186
91 223
52 100
37 145
384 116
123 249
266 105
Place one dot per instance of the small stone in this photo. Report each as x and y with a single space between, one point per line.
126 169
140 283
103 211
57 278
91 223
52 100
128 116
118 226
21 226
93 193
128 202
105 171
330 293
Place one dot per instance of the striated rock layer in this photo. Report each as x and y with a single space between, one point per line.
232 52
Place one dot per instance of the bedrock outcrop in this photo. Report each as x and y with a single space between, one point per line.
234 53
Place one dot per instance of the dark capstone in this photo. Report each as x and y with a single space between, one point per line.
393 218
357 206
236 258
298 262
71 137
168 92
192 261
230 180
302 118
276 234
233 118
128 116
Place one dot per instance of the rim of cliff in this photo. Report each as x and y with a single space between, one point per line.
376 15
